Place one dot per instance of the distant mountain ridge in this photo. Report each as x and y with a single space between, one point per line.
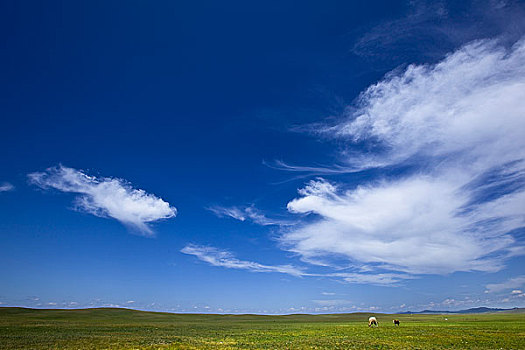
475 310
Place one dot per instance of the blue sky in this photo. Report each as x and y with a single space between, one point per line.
266 157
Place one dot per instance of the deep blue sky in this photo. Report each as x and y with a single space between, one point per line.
199 104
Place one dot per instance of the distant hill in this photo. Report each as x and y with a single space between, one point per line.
103 312
475 310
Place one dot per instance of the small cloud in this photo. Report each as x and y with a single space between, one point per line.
332 302
6 186
247 213
516 291
379 279
310 170
232 212
130 302
327 293
107 197
216 257
512 283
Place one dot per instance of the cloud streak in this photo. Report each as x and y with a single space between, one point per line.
247 214
332 302
107 197
222 258
6 186
379 279
428 30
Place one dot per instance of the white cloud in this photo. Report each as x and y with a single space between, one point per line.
247 213
6 186
107 197
449 302
332 302
472 98
327 293
379 279
409 225
512 283
310 170
459 126
233 212
221 258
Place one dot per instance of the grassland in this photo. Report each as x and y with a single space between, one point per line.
129 329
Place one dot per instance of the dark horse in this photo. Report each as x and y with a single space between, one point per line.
396 322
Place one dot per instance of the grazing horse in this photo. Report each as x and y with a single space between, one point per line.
396 322
371 321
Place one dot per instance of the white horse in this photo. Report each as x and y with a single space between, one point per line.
372 321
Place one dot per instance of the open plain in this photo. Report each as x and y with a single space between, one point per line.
129 329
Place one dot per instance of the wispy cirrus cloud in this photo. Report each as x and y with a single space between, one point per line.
458 127
429 29
379 279
441 111
311 170
223 258
106 197
232 212
249 213
6 186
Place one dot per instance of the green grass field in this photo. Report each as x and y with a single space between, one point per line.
128 329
